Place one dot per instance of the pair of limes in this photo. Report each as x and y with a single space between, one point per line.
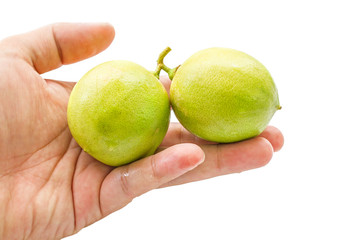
119 112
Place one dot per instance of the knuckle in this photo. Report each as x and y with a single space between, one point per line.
154 172
124 183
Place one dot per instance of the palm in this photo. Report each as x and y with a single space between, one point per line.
40 158
53 187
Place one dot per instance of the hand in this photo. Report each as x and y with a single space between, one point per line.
49 187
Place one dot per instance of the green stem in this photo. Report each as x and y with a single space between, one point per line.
161 66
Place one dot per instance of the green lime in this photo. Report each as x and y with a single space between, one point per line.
223 95
118 112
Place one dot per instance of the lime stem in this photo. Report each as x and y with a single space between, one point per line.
161 66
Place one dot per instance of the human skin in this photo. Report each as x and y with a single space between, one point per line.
49 187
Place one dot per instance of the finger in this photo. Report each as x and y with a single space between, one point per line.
51 46
274 136
224 159
166 83
127 182
178 134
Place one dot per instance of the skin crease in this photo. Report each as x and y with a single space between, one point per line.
49 187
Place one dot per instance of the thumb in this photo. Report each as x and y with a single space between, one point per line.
127 182
51 46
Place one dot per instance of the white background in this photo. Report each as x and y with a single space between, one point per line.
310 190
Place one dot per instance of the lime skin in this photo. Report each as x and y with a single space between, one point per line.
118 112
223 95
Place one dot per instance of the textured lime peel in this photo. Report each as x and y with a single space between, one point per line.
119 112
223 95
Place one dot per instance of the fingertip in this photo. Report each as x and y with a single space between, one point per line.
107 29
106 25
180 158
241 156
194 153
274 136
266 152
78 41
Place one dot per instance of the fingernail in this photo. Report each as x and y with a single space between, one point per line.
192 159
180 159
